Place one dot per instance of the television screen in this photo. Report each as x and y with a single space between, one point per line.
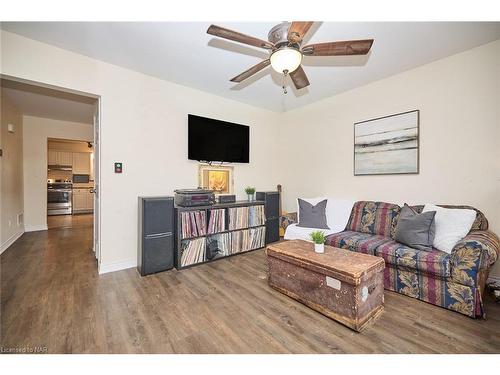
214 140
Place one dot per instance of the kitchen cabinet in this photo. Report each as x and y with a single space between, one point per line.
79 200
90 200
81 163
83 200
52 157
65 158
60 157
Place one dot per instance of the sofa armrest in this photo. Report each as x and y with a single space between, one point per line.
476 252
287 219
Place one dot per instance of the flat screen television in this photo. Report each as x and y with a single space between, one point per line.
215 140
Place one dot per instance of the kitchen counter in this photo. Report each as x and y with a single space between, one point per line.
89 185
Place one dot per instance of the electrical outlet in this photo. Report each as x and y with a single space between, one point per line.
10 223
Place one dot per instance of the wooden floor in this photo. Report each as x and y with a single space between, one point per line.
52 297
69 221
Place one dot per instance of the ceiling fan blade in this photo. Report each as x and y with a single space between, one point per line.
238 37
348 47
297 30
250 72
299 78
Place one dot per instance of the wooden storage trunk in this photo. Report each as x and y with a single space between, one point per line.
341 284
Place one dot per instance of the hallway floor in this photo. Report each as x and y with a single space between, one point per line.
69 221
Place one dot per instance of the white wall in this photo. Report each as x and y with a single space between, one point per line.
144 125
459 102
36 132
11 175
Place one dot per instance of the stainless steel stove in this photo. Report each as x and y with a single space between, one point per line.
59 197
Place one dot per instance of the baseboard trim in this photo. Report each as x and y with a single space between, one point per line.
35 228
493 278
117 266
10 241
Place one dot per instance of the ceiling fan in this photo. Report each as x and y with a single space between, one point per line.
286 51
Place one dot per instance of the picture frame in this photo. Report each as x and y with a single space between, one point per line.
216 178
388 145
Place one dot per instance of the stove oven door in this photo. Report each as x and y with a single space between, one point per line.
59 202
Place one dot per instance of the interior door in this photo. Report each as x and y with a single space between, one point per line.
96 190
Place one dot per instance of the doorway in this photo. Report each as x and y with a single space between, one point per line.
60 130
70 183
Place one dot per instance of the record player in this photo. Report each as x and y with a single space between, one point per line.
194 197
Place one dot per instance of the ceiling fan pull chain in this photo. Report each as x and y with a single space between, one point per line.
285 73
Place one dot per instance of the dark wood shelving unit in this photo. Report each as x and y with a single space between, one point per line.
206 209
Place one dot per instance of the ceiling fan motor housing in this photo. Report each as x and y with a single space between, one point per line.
278 35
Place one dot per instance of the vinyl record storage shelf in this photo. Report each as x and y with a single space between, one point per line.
206 211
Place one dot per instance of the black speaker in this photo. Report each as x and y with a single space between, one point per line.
156 235
272 230
272 208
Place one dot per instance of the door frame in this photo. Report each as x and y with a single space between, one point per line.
96 243
96 247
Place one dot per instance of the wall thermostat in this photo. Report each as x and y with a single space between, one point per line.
118 167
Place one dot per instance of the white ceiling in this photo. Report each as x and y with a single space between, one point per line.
182 52
43 102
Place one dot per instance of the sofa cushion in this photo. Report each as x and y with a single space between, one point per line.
432 261
378 218
355 241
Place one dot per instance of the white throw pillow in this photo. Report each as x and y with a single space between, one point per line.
452 225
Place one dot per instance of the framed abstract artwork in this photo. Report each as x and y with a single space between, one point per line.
387 145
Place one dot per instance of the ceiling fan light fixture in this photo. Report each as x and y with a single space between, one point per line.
285 44
286 59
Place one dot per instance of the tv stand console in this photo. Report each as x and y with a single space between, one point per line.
207 233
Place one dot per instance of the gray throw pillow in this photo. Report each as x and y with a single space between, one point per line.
312 216
414 229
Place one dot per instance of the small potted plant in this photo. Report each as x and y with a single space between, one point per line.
250 192
318 237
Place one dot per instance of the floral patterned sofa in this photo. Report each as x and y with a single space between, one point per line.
454 281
